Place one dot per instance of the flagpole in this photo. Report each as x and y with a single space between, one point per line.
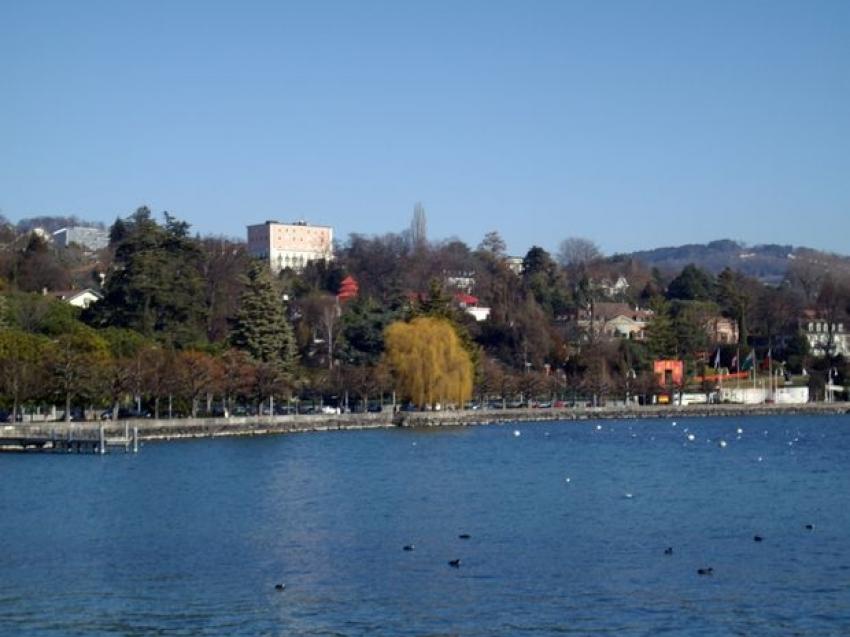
738 369
770 371
754 364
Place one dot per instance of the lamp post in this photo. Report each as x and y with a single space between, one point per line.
831 375
630 375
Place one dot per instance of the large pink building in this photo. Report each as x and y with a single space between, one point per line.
290 245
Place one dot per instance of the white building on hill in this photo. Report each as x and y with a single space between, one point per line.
290 245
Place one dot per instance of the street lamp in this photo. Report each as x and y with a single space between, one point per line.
631 374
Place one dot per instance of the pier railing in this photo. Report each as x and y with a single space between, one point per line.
69 437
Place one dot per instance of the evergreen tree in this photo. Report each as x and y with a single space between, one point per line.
260 327
692 284
117 232
362 331
155 287
660 333
437 303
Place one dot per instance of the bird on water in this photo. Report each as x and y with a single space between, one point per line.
408 547
280 587
705 571
668 550
464 536
454 563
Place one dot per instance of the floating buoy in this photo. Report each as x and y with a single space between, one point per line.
691 437
517 433
722 444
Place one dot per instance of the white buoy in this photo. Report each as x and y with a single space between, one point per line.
517 433
722 444
674 423
598 427
740 431
760 458
628 496
691 437
567 480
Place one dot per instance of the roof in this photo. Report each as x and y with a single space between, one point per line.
605 310
69 295
466 299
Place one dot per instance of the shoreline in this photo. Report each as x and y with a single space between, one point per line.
22 436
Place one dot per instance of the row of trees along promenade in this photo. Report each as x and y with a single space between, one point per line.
192 326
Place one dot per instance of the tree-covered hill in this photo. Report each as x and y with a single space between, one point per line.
768 262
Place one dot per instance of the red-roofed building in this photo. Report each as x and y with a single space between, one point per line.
466 300
348 289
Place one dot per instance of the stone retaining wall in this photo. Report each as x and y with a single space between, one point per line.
481 417
253 426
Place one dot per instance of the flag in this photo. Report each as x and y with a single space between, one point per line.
749 361
735 362
717 359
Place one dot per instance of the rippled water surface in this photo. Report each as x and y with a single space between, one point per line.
568 525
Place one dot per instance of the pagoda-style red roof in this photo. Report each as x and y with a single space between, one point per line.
348 288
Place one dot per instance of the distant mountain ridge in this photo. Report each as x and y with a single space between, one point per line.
768 263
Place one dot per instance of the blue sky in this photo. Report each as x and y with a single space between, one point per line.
636 124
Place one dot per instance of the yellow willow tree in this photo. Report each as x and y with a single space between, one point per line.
429 362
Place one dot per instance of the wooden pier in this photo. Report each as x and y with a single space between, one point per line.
57 437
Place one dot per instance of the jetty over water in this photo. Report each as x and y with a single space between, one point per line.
60 437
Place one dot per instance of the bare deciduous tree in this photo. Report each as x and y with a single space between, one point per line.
577 251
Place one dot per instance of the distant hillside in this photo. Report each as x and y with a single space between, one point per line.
769 263
51 223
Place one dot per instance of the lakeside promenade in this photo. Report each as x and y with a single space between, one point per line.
40 435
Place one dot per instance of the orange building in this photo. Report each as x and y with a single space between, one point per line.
668 372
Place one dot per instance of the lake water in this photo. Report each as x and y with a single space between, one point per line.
568 522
